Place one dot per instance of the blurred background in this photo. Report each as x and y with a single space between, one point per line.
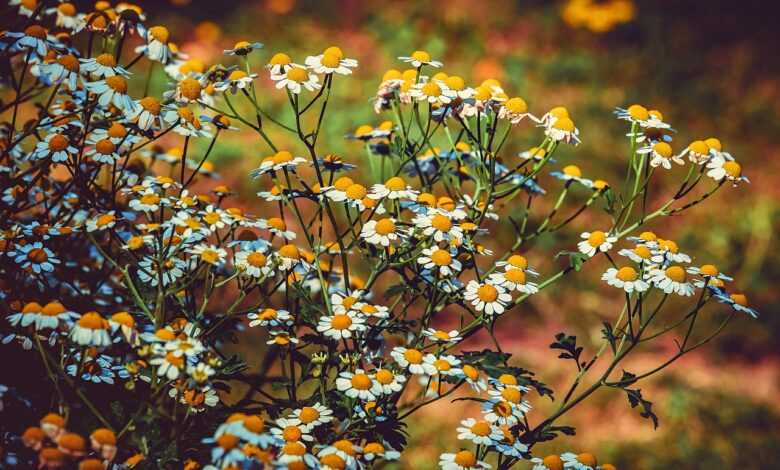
710 67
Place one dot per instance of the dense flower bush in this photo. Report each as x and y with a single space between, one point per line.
130 284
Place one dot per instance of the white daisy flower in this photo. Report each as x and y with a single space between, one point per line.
331 61
387 382
296 77
551 462
638 254
210 254
445 364
474 378
102 222
112 90
438 225
595 242
477 431
463 460
91 330
661 155
514 279
341 325
381 232
55 146
102 66
291 430
412 359
666 251
420 58
433 92
584 461
719 168
441 336
670 280
237 80
393 188
439 260
270 317
309 417
625 278
487 297
356 385
253 263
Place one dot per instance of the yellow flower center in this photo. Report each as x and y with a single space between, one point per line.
713 143
455 82
487 293
465 458
627 274
280 58
294 448
117 83
507 379
37 255
343 183
356 191
515 275
597 238
291 434
572 170
511 394
70 62
35 31
663 149
739 299
709 270
290 251
564 124
92 321
237 75
160 33
675 273
442 365
638 112
105 219
385 227
330 60
421 56
309 414
480 428
67 9
333 461
441 258
373 448
395 183
210 256
190 88
58 142
334 51
516 105
431 89
150 199
441 223
361 382
105 146
413 356
341 322
699 146
471 372
587 459
117 131
553 462
297 74
733 169
241 45
384 377
52 309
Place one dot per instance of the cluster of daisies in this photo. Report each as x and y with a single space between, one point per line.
58 447
99 214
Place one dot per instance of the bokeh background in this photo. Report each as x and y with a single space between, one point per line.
710 67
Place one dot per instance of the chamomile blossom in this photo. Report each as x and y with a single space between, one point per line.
636 113
420 58
294 78
209 254
595 242
35 257
463 460
661 154
413 360
332 60
270 317
112 90
719 168
438 225
563 129
157 47
386 382
341 325
103 221
551 462
237 80
356 385
393 188
441 336
309 417
102 66
433 92
440 261
253 263
626 278
487 297
583 461
444 364
670 280
514 110
57 147
477 431
91 329
640 254
710 273
381 232
737 301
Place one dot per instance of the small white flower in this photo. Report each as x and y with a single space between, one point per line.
356 385
595 242
670 280
487 297
625 278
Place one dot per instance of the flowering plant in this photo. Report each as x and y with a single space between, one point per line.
129 285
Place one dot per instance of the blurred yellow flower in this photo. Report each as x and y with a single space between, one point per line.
598 16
